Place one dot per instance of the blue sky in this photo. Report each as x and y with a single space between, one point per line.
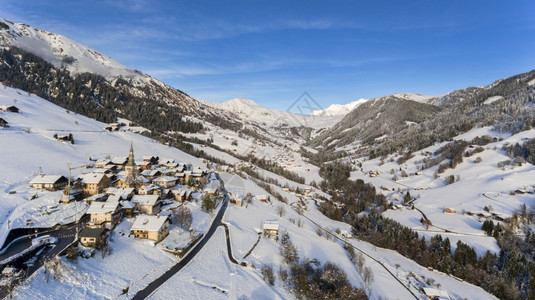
273 51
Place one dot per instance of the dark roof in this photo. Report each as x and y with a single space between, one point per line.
92 232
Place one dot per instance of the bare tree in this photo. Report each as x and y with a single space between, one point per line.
184 217
281 210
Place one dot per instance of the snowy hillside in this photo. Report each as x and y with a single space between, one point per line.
64 52
338 109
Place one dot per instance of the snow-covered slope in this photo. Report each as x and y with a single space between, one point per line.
64 52
251 111
28 145
338 109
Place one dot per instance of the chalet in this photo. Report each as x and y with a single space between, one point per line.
152 159
119 161
450 210
123 193
147 204
49 182
165 181
64 138
92 237
7 108
144 165
236 199
96 198
271 227
181 177
154 228
211 191
151 174
150 189
106 214
181 195
128 208
346 234
261 198
121 182
94 183
435 294
102 163
3 123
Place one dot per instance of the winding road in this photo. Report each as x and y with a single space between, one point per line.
153 286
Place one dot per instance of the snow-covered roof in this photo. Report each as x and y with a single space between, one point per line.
150 172
127 204
123 192
165 179
145 199
92 178
102 162
119 160
149 187
210 190
46 179
261 197
430 292
149 223
103 207
270 225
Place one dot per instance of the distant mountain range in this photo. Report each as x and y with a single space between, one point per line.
390 123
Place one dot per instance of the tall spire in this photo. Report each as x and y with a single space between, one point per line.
131 155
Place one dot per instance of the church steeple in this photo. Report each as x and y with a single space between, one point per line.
130 168
131 155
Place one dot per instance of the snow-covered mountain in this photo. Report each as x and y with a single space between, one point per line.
338 109
253 112
61 51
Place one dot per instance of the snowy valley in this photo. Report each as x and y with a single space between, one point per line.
387 198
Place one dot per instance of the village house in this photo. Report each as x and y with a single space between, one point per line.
449 210
3 123
150 189
151 174
236 199
147 204
49 182
128 208
261 198
92 237
106 214
102 163
165 181
271 227
124 193
181 195
433 294
152 159
154 228
8 108
93 184
119 161
144 165
211 192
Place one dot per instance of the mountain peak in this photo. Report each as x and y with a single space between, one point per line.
338 109
61 51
